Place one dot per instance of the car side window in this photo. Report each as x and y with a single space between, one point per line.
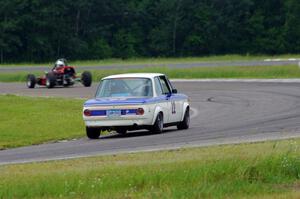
164 84
158 88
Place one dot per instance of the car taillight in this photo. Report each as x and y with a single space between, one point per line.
87 112
140 111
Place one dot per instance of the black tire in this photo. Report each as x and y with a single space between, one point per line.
121 131
185 123
31 81
159 124
86 78
93 133
50 80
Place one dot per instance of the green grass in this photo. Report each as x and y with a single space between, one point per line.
27 120
136 61
213 72
231 171
268 72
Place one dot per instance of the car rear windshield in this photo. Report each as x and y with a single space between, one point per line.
125 87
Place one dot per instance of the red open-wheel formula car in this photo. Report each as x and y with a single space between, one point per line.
60 75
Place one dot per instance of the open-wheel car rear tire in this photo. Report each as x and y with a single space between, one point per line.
50 80
86 78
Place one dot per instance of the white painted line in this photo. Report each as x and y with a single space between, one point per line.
278 59
240 80
194 113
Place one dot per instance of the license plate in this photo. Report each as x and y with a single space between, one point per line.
114 113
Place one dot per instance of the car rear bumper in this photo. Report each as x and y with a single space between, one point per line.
118 122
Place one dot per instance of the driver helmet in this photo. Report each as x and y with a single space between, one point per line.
59 63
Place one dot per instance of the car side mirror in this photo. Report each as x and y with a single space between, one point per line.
174 91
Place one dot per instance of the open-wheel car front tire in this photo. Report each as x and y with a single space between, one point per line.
31 81
93 133
185 123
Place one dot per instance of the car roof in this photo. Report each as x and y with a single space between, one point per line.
131 75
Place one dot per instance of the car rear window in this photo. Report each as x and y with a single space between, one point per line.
125 87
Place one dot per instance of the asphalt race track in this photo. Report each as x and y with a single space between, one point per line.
222 112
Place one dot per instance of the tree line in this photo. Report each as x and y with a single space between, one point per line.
38 30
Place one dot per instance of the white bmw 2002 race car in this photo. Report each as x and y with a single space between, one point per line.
135 101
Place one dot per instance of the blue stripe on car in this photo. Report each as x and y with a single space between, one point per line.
133 101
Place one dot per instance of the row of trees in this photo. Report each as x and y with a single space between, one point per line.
37 30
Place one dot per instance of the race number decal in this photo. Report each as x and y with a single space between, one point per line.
173 108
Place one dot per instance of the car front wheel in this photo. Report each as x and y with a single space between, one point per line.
186 120
93 133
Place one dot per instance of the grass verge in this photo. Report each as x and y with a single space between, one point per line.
28 121
267 72
160 60
230 171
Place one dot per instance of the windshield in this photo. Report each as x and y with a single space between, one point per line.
125 87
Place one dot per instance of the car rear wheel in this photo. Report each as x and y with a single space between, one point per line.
121 131
186 120
31 81
159 124
86 78
50 80
93 133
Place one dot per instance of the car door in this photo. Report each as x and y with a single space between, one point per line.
176 103
164 100
174 108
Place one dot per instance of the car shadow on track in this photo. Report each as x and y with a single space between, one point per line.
137 134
